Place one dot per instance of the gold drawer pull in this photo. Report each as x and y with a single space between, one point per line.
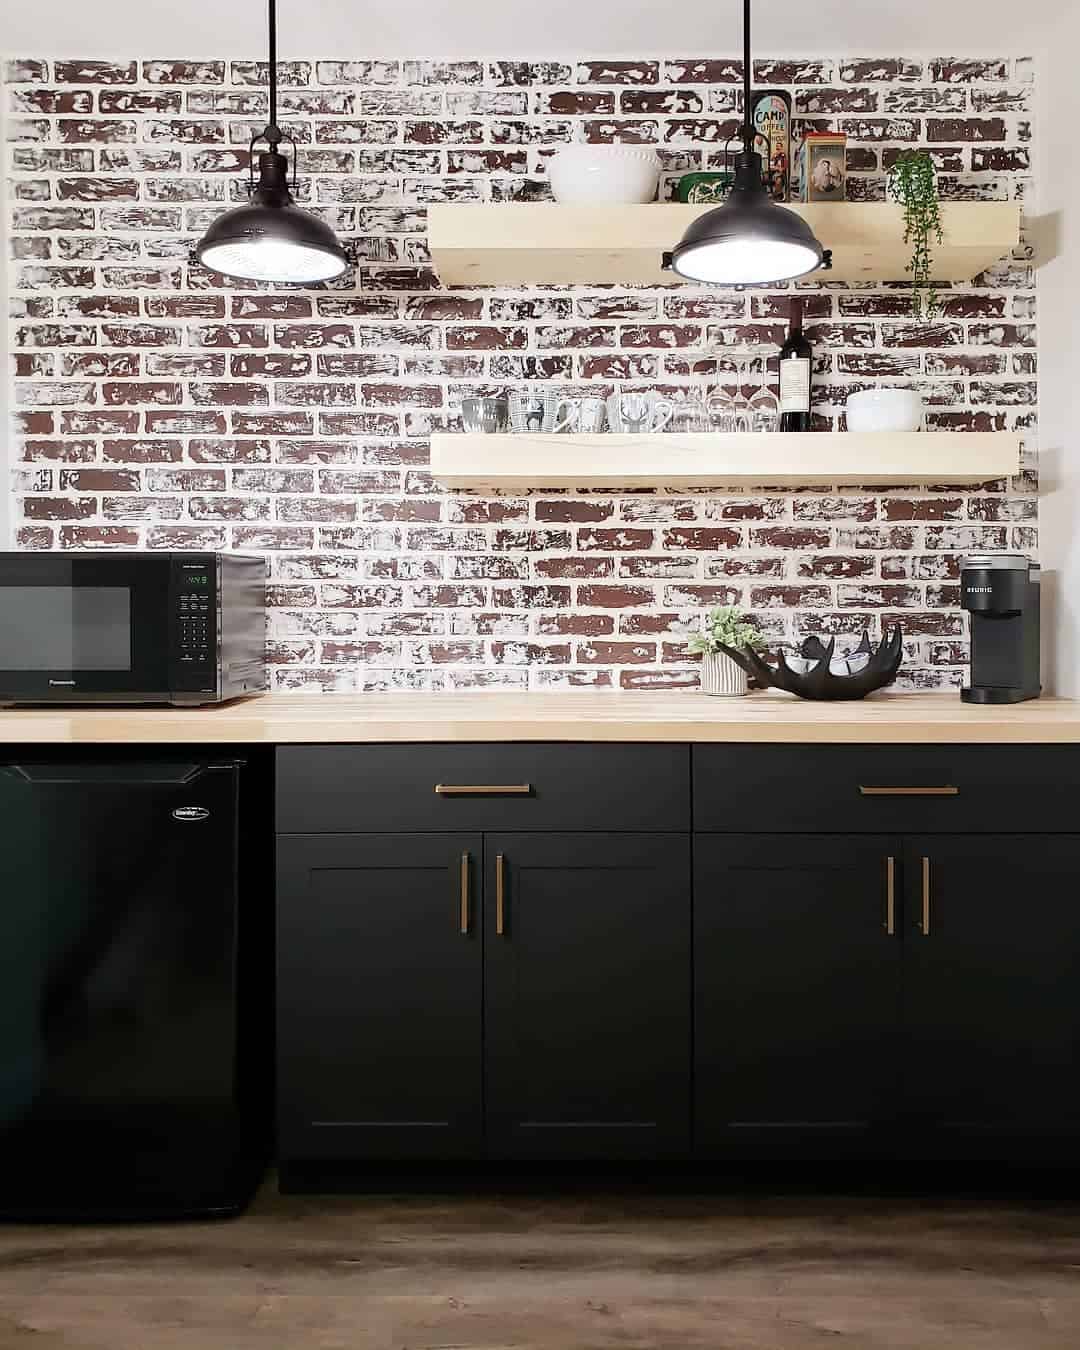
890 896
483 789
465 894
500 895
944 791
924 927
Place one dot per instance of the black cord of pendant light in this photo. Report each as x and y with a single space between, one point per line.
748 125
272 62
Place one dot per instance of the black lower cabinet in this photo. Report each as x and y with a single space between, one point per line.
992 993
587 995
888 979
797 957
379 996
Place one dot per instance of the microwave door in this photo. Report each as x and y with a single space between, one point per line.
80 629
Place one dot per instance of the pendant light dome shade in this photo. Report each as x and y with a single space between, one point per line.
270 238
748 239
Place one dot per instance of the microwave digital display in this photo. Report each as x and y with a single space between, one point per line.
65 628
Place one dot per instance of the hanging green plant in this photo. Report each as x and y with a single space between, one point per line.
913 184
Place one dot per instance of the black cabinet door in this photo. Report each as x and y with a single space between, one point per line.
992 991
587 995
796 992
379 996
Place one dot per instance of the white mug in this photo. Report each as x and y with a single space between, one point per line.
637 411
539 410
591 414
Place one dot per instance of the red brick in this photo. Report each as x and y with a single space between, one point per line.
615 597
618 72
98 536
96 72
624 540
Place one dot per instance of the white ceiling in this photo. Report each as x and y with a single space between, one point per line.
358 28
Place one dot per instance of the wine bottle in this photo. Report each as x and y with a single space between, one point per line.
795 357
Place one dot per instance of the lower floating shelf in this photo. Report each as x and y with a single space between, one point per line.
518 462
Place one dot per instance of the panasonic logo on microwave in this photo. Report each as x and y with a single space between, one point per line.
62 682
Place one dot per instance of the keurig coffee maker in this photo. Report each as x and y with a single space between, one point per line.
1001 593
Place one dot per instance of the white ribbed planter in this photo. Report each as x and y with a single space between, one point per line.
720 675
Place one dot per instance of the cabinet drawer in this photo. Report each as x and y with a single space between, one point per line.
886 789
329 788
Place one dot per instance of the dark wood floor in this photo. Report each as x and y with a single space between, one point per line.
565 1273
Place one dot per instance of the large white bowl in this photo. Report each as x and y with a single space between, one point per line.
885 410
586 174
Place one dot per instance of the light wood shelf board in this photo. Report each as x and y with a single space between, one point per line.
546 243
515 462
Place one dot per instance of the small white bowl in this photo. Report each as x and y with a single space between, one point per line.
885 410
584 174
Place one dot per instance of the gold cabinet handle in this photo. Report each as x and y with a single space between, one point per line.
924 927
500 895
483 789
946 790
890 896
464 921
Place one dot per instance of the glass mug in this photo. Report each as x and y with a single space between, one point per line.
639 411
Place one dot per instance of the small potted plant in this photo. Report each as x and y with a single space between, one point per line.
726 630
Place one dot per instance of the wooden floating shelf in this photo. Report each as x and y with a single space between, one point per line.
518 462
545 243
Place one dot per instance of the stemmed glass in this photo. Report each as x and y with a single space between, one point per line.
764 405
742 411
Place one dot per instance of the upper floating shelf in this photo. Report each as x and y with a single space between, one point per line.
517 462
545 243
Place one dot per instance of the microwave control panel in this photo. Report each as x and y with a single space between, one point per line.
195 617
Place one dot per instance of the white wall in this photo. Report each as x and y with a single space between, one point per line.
1057 243
110 29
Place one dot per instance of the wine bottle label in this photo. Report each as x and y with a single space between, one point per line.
795 385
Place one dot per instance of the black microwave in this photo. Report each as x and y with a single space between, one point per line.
181 628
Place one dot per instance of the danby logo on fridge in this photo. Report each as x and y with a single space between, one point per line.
190 813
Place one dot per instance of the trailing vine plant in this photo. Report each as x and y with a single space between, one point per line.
913 184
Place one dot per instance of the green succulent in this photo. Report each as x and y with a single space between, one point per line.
725 626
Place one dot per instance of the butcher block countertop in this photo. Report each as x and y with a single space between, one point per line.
563 716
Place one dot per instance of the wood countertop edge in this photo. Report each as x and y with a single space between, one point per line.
662 717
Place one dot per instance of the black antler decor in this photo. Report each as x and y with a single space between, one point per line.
819 682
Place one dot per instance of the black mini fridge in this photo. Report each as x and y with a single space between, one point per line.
135 985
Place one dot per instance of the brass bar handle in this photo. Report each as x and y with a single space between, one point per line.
946 790
924 927
890 897
500 895
464 920
483 789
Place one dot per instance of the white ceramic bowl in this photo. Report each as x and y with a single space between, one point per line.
885 410
586 174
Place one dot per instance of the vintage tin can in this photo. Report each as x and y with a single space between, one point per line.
771 117
704 187
819 172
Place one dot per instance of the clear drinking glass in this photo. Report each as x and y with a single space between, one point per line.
691 413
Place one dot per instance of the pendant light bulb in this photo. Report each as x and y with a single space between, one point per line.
269 237
748 240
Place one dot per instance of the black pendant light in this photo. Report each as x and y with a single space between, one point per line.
270 238
749 239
